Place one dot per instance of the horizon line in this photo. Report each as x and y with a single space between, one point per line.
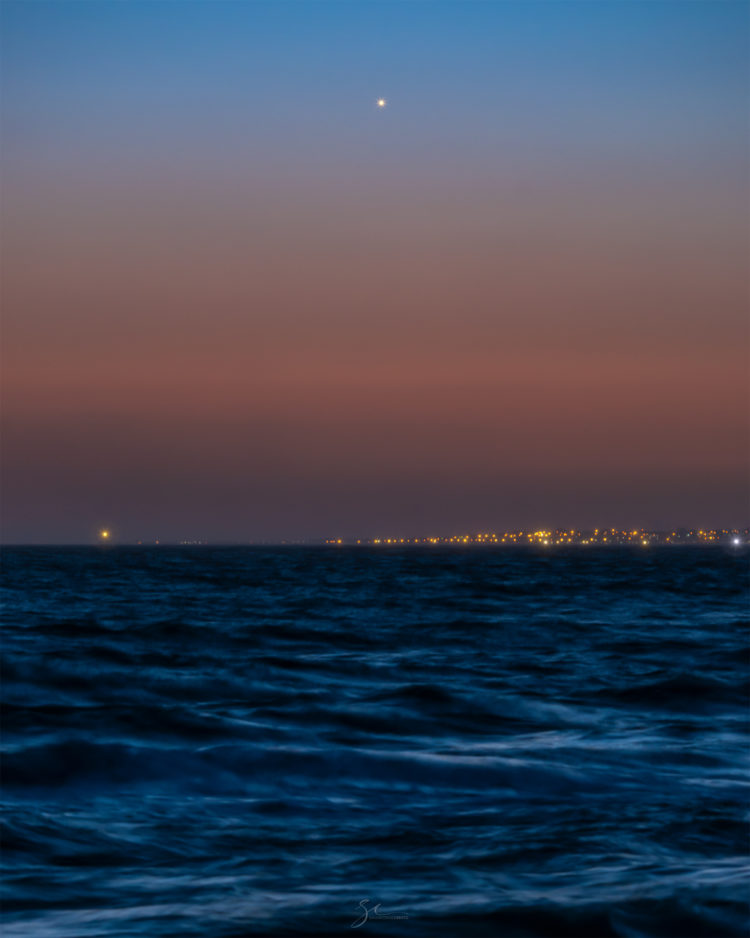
676 536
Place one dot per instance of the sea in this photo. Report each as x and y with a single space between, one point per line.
402 742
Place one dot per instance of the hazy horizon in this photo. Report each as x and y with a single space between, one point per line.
384 539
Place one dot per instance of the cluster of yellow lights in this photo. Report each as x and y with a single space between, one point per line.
545 537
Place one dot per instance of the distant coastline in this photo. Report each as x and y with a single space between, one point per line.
566 537
734 538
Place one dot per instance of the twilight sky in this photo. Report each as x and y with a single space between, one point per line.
242 302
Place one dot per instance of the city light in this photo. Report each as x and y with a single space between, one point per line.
564 537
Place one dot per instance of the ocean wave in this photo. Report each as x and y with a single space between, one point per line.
243 742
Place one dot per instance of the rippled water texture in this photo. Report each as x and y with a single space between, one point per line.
252 742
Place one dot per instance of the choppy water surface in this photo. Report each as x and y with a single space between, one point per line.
252 742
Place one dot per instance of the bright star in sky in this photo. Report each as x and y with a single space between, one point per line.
381 102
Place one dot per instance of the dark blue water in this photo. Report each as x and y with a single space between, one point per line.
253 742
